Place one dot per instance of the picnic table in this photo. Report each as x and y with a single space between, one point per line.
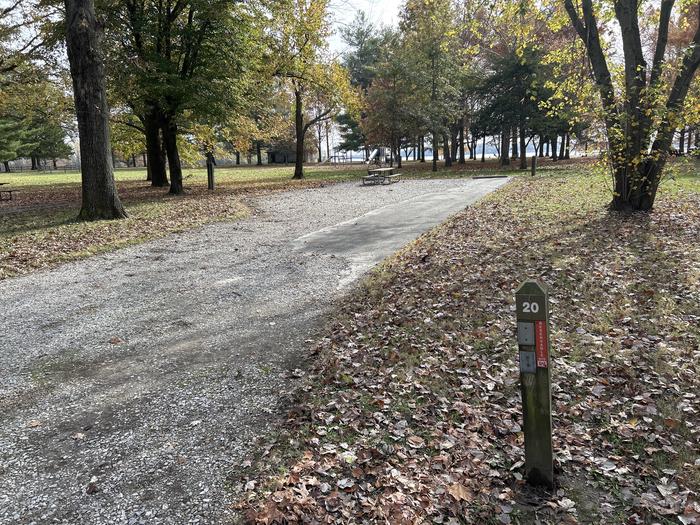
381 176
5 195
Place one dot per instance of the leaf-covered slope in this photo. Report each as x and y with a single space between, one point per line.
413 414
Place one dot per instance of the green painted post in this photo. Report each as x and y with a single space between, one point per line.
532 312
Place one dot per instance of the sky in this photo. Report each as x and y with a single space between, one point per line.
380 12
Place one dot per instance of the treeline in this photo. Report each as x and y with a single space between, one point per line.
185 79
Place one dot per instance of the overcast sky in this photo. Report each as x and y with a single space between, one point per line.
381 12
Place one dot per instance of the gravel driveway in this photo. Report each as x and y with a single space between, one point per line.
132 382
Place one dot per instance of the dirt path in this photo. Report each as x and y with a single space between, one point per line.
132 382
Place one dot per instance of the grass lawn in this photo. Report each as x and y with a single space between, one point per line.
38 228
412 412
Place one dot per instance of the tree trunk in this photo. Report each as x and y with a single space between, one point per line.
523 149
422 149
169 130
300 132
448 153
554 147
562 147
436 144
258 152
99 193
681 141
7 166
567 148
636 191
454 138
154 150
505 147
34 163
547 152
483 149
238 158
320 143
542 141
514 140
328 140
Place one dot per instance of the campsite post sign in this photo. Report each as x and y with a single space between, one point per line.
532 312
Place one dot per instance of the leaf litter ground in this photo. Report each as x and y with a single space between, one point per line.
412 412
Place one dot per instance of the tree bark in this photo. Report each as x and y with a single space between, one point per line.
562 147
436 145
7 166
258 152
300 132
448 153
83 40
483 149
169 129
154 149
554 147
505 147
567 147
514 140
523 149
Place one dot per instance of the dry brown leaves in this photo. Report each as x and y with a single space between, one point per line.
413 414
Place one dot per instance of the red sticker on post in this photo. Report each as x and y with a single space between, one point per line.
541 344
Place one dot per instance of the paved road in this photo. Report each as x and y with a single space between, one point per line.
131 383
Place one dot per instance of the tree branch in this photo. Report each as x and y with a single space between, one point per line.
661 41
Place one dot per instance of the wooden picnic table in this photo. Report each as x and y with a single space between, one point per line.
381 176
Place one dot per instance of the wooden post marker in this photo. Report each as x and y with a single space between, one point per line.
532 311
210 170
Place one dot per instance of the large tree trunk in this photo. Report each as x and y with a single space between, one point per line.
636 190
154 149
300 132
436 145
483 149
567 147
554 147
7 166
523 149
462 157
505 147
514 141
681 141
169 130
258 152
99 193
